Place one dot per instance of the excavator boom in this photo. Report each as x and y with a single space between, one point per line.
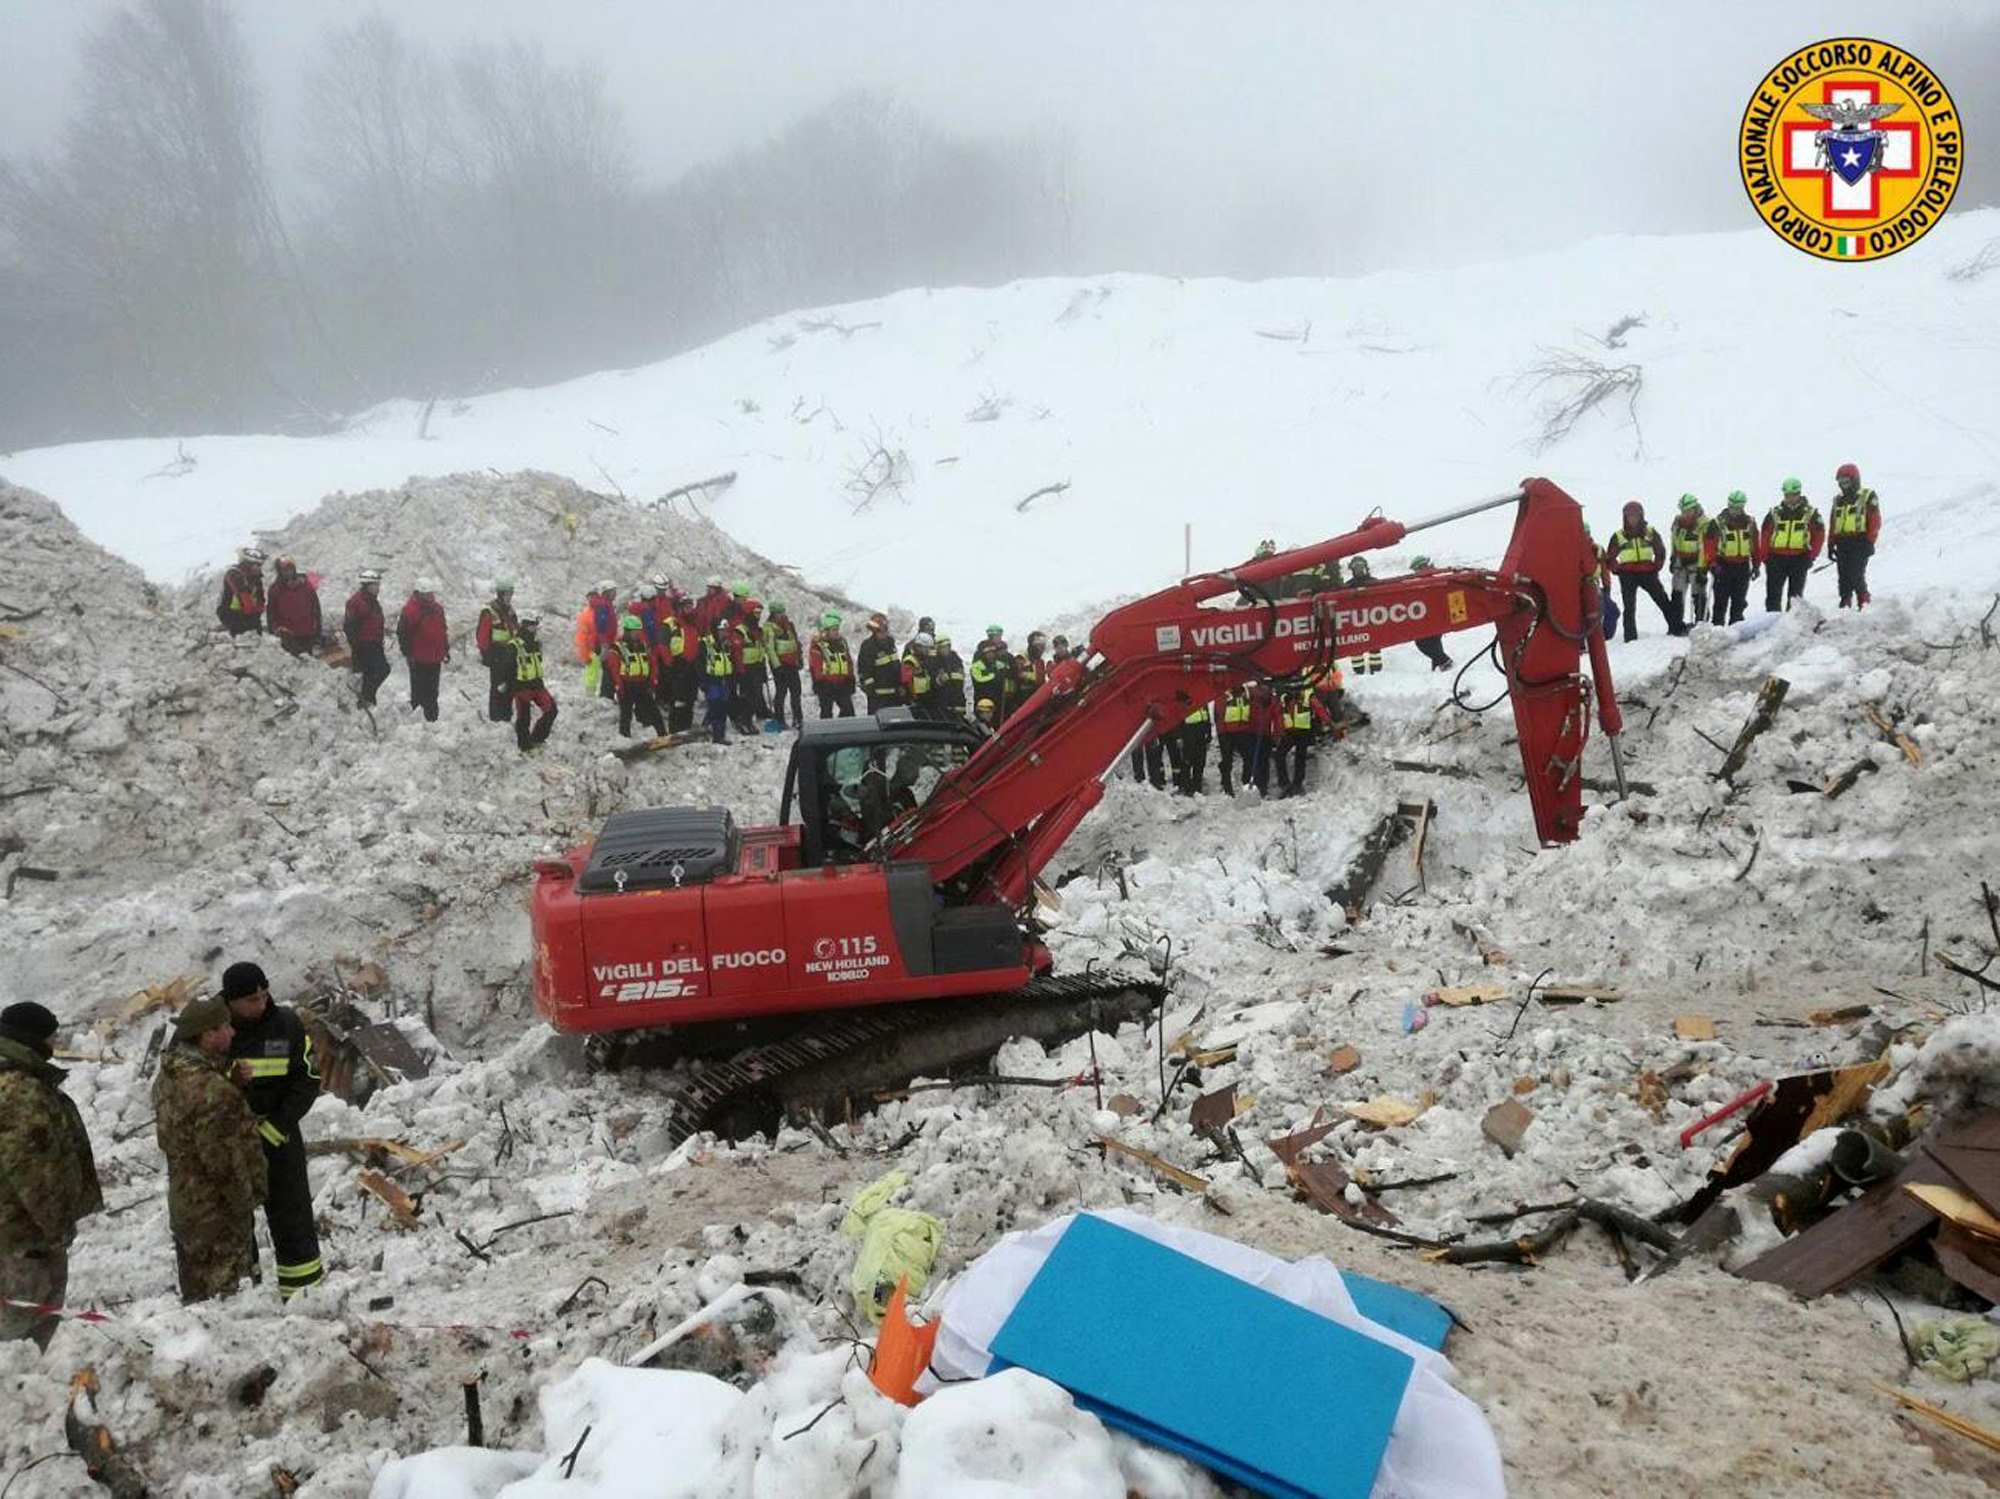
996 821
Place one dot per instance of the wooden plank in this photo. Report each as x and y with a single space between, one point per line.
1841 1248
1146 1158
1694 1027
1960 1209
1466 994
1971 1261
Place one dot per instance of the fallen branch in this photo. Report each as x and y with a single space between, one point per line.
1841 784
1756 843
1529 1249
1173 1173
107 1466
1963 972
713 481
1770 697
1025 501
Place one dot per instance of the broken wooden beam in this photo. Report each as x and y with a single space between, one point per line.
1770 698
108 1467
1185 1179
1351 892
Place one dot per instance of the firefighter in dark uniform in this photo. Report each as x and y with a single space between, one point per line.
282 1083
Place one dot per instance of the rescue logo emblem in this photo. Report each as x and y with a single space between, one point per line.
1851 149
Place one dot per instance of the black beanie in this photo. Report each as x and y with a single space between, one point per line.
240 979
30 1024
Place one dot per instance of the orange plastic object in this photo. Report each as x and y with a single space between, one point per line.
902 1351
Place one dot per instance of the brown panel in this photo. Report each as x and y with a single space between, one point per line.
1846 1245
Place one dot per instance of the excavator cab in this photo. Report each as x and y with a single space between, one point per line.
850 778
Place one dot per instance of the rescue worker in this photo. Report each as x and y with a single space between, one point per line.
216 1171
1431 645
531 687
1267 727
1150 760
364 627
877 666
752 671
280 1083
992 673
291 611
1853 525
1792 536
495 638
1331 707
1031 667
711 606
1368 662
1636 554
832 669
1234 736
605 628
915 665
241 607
1297 714
1195 733
1688 549
1735 551
718 672
644 602
739 600
425 642
987 712
1059 649
677 653
48 1176
785 656
947 677
630 661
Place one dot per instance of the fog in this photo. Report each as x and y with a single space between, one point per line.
659 172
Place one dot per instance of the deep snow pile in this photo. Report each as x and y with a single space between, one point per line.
197 795
1284 408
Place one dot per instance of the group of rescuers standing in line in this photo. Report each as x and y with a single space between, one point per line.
232 1089
664 657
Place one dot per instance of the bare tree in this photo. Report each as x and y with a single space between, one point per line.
156 211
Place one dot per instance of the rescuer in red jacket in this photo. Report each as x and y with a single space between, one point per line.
1853 525
1793 535
241 607
1734 551
785 655
1233 736
363 626
424 640
630 661
713 604
531 686
291 611
1636 554
832 669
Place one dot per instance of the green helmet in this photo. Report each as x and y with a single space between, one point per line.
503 585
944 642
741 590
631 622
1738 499
1792 486
1419 563
777 609
1689 502
829 621
994 632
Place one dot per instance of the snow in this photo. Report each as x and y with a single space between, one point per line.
1160 404
207 800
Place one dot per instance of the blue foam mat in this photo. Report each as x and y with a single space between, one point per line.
1416 1317
1197 1361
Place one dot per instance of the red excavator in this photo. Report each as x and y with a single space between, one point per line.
903 862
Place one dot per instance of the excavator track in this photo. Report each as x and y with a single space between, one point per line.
836 1056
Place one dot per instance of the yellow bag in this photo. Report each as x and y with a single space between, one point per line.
898 1245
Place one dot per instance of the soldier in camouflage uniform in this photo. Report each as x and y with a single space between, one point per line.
48 1177
216 1177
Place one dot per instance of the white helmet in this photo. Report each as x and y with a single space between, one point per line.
662 582
427 585
714 581
923 639
648 591
249 554
371 574
607 586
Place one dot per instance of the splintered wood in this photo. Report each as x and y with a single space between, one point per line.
1385 1111
1466 994
402 1211
1171 1172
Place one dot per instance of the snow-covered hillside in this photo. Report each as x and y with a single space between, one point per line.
1281 408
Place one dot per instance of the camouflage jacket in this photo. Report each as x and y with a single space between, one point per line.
215 1164
48 1177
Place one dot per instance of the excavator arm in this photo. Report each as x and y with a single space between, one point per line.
990 826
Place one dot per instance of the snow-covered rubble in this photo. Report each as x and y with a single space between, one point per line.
198 795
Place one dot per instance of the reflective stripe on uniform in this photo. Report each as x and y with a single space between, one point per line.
1635 548
271 1132
295 1278
268 1066
1791 533
527 668
1732 543
1850 516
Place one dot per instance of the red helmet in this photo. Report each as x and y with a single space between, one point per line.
1847 471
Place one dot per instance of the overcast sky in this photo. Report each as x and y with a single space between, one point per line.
1210 136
